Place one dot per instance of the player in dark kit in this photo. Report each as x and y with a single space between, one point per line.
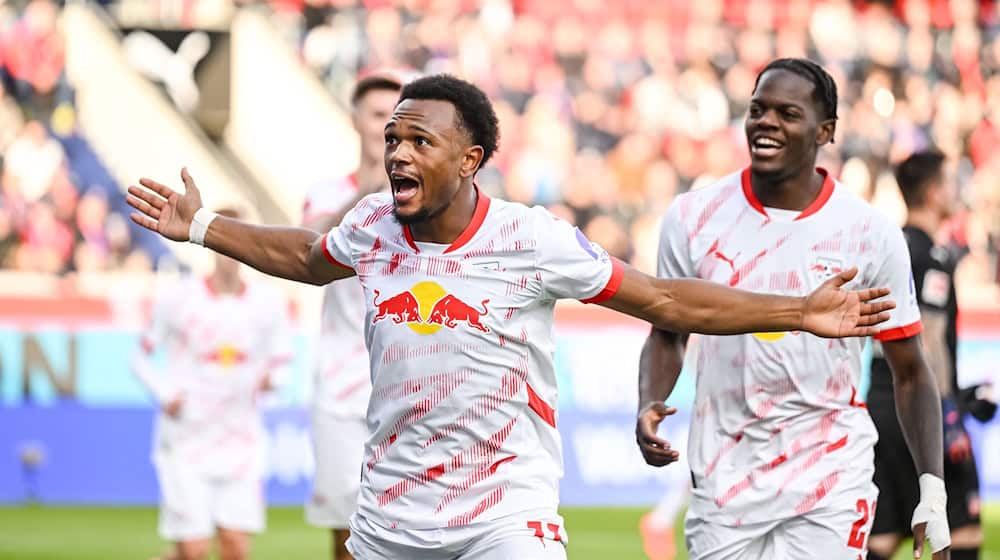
930 196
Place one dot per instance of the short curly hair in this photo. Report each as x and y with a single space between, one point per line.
473 107
824 90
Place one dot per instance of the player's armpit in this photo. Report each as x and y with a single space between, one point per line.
323 266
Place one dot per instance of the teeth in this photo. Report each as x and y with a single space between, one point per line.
767 143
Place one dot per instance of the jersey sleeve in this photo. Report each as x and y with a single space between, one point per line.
327 198
339 242
895 273
570 265
674 254
156 336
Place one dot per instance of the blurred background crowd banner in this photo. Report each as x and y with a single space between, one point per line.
608 110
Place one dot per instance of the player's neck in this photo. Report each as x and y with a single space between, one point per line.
446 226
371 172
790 192
222 283
925 220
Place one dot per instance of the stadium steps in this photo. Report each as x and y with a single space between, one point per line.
137 132
284 125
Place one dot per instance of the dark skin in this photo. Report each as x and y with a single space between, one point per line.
783 109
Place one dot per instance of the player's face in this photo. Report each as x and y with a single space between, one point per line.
426 157
783 125
370 115
945 193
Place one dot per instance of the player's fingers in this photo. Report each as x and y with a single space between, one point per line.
872 293
144 221
874 319
143 207
877 307
919 532
150 198
188 181
659 457
158 188
843 277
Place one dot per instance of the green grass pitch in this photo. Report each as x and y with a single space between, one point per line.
101 533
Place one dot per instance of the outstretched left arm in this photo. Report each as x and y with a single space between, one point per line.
699 306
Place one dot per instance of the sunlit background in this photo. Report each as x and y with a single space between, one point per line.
607 109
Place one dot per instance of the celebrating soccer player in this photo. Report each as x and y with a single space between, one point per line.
463 458
780 448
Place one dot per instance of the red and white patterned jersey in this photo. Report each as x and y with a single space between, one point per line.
342 382
462 426
217 348
777 428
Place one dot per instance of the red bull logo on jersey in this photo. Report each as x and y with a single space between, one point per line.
823 268
427 308
225 356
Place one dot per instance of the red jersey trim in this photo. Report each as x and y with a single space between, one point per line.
541 407
614 282
900 332
478 217
825 192
329 257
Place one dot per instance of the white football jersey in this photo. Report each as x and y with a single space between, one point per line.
462 425
777 427
216 350
342 382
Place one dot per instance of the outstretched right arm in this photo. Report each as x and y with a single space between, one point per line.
286 252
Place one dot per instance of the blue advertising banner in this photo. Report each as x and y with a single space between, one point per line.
75 425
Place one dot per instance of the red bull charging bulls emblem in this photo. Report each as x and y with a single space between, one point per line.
427 307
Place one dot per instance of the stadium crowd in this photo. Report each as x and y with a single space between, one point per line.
609 109
60 210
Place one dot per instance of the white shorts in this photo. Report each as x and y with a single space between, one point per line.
193 505
339 447
835 532
537 535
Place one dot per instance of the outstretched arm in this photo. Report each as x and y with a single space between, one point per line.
292 253
691 305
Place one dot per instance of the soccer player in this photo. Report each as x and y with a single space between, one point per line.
780 447
225 341
463 457
342 383
930 196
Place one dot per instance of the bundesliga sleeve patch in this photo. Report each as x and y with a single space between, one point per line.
595 251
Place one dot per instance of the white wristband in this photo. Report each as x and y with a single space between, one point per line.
932 491
199 226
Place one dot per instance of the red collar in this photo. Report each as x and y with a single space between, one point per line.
478 217
825 192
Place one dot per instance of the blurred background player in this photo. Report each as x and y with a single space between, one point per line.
342 377
226 341
931 195
780 448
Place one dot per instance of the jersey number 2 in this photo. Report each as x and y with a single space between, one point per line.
857 537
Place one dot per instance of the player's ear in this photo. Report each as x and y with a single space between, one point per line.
471 159
825 132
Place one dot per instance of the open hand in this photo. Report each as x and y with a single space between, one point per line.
655 450
164 210
833 312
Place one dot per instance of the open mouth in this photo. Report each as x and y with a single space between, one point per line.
404 187
762 146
